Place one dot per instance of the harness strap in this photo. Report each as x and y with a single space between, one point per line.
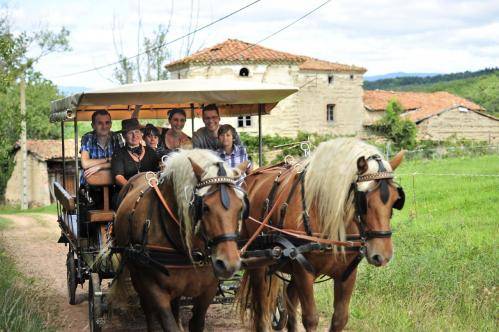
306 217
154 184
305 237
284 206
353 265
270 199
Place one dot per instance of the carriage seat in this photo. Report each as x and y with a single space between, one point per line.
104 179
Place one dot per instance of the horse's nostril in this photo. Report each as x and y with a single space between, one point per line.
377 259
220 265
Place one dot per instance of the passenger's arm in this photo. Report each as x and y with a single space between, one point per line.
87 162
118 169
120 180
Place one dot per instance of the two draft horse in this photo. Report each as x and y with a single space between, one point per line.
343 192
169 229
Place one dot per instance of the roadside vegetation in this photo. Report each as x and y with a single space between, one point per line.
22 306
444 273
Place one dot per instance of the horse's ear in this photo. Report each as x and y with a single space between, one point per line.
242 166
362 165
198 170
395 162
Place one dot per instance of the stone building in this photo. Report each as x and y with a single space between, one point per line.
44 164
329 99
438 115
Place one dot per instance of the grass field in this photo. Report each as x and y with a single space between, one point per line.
444 275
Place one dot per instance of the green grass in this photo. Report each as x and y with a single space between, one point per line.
7 209
21 302
444 275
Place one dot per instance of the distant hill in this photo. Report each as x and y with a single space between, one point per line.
481 86
398 74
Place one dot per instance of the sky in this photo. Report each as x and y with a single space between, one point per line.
384 36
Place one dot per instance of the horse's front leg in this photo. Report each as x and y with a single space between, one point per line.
292 304
200 306
304 282
342 295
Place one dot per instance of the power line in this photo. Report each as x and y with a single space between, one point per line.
164 44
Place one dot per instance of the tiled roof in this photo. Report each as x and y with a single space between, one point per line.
322 65
233 50
418 105
50 149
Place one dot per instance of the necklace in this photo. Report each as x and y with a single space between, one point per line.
137 158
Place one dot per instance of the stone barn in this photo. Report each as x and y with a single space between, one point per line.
329 99
44 164
438 115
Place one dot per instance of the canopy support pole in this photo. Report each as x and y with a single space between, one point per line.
63 157
77 183
260 140
192 119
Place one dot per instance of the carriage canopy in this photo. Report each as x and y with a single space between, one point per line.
152 100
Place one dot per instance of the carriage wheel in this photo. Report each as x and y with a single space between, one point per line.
71 277
280 315
95 315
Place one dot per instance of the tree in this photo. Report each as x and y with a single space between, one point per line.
400 131
21 85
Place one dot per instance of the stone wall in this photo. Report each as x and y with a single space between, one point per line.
462 123
38 182
305 110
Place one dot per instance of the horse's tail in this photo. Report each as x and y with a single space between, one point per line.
259 306
121 293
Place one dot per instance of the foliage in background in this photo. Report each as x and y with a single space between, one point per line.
18 54
481 87
271 144
400 131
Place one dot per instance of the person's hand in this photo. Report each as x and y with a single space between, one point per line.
92 170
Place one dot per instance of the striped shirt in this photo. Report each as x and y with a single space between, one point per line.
237 156
90 144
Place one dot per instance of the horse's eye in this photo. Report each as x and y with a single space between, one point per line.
206 208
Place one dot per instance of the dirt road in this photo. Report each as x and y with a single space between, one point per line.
31 240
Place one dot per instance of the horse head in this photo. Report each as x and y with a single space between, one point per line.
376 195
219 205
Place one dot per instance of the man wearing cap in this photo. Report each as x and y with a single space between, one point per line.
133 158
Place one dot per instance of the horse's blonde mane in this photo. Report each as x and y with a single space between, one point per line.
178 169
331 170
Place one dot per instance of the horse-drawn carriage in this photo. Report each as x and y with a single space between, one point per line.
296 218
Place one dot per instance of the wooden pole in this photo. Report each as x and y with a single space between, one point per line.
24 150
260 140
192 120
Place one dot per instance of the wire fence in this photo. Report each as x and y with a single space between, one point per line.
441 152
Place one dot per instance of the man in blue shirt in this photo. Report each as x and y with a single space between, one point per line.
97 148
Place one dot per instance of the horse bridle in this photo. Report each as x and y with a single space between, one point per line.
360 202
223 183
360 199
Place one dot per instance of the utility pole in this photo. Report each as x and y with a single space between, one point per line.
24 150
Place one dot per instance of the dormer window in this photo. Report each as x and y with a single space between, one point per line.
244 72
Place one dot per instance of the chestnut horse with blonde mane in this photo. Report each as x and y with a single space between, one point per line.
161 245
344 191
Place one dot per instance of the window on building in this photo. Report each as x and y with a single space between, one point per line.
244 121
244 72
330 79
330 113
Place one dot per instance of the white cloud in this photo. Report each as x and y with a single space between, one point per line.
382 35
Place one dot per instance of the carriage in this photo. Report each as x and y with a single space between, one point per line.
84 231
